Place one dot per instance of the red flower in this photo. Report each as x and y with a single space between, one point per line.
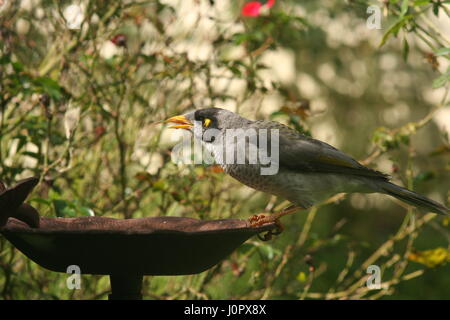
253 8
270 3
120 40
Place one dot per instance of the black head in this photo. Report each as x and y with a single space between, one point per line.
209 118
217 118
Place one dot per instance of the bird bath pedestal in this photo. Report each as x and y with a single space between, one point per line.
124 249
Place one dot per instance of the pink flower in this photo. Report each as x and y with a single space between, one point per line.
253 8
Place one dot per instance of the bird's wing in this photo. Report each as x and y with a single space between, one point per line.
301 153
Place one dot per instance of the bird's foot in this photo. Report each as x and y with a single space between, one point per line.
258 220
261 219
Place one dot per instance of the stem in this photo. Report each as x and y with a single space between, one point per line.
122 164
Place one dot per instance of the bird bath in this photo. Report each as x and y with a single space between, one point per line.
124 249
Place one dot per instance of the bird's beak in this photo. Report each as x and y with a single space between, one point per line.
183 123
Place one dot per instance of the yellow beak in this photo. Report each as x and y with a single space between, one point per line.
181 120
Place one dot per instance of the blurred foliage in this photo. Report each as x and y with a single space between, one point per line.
79 98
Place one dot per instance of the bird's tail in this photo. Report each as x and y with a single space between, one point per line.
414 198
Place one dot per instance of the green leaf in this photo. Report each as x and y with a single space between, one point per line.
22 141
394 29
404 7
421 2
302 21
85 211
239 38
277 114
436 8
64 208
41 201
295 121
49 86
405 49
18 67
384 139
442 80
235 71
5 59
424 176
442 51
31 154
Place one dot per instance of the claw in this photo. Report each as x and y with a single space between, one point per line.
279 228
269 234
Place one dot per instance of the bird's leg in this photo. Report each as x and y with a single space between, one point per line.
261 219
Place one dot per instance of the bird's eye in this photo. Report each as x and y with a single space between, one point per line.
206 122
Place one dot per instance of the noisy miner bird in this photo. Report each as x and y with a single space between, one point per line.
309 170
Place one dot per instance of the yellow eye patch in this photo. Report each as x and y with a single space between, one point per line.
207 122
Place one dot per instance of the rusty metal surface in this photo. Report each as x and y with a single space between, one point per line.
128 226
99 245
11 202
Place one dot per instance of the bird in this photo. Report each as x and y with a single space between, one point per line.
309 170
